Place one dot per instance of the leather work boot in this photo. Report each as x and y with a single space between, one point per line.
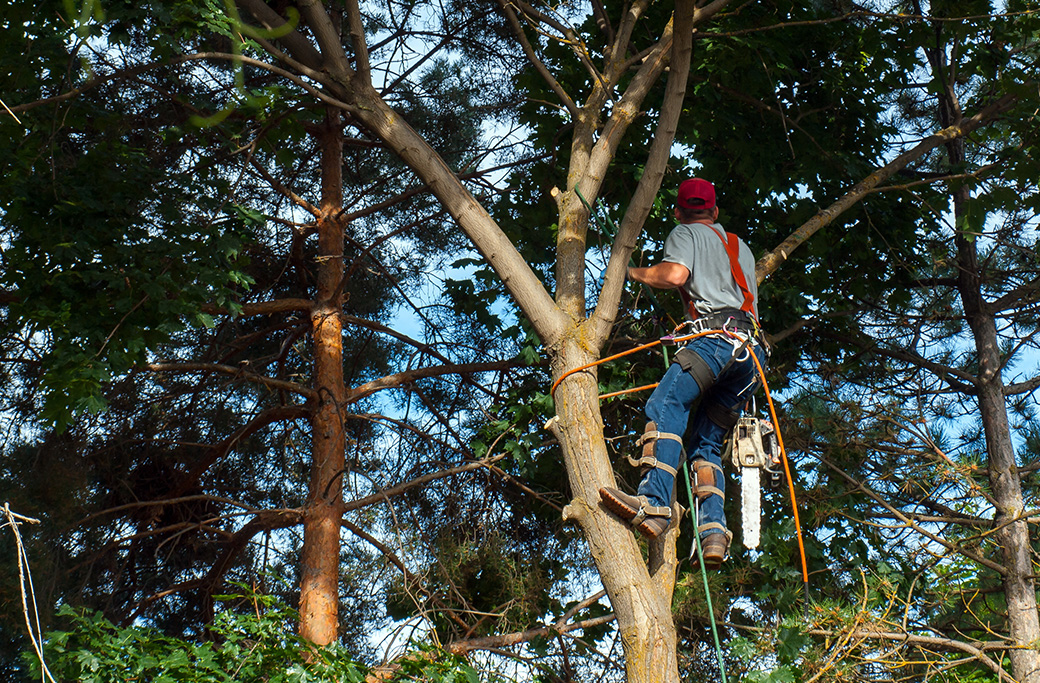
651 521
715 548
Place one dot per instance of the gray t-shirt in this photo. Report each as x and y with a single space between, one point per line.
711 286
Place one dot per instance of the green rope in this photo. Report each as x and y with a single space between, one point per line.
695 509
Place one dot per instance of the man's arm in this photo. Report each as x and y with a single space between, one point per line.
664 275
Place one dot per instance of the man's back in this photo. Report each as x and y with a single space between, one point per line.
711 285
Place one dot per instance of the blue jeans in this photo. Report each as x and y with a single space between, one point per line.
670 405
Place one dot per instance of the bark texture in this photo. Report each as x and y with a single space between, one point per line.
319 583
642 602
1005 481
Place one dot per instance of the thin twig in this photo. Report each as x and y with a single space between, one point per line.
25 577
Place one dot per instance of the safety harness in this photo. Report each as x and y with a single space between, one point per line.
741 328
738 448
672 339
731 243
707 477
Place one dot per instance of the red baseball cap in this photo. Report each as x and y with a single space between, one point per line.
697 194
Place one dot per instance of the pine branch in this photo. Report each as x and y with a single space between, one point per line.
240 372
559 627
771 261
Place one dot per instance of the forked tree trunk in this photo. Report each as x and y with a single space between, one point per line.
319 560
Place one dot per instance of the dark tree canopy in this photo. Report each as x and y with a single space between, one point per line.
284 286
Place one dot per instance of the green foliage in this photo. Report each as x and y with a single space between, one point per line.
112 239
121 216
430 664
127 229
247 647
251 640
781 674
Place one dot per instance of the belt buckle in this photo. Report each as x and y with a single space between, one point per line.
700 325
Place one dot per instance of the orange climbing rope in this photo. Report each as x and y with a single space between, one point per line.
772 414
790 481
628 391
642 347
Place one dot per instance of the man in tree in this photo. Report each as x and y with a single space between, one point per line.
707 265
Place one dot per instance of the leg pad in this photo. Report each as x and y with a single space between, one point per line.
705 482
691 362
648 458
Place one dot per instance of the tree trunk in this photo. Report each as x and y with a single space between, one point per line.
319 581
1006 484
641 601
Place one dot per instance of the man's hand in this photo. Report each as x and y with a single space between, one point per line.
664 275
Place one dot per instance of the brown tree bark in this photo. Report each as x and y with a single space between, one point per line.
1004 478
641 599
1006 484
319 560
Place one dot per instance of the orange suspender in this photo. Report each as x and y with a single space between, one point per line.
733 249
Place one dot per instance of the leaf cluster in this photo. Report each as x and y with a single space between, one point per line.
252 640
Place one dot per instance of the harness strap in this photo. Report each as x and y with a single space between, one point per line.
721 415
648 459
690 361
647 510
732 245
714 526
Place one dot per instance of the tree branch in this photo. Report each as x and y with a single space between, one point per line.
385 494
408 376
559 627
236 372
357 39
294 41
264 520
948 374
649 184
1022 387
218 451
553 84
771 261
263 307
953 547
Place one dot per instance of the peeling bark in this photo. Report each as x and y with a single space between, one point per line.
319 560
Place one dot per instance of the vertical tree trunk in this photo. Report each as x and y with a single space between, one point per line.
1006 484
319 581
642 602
